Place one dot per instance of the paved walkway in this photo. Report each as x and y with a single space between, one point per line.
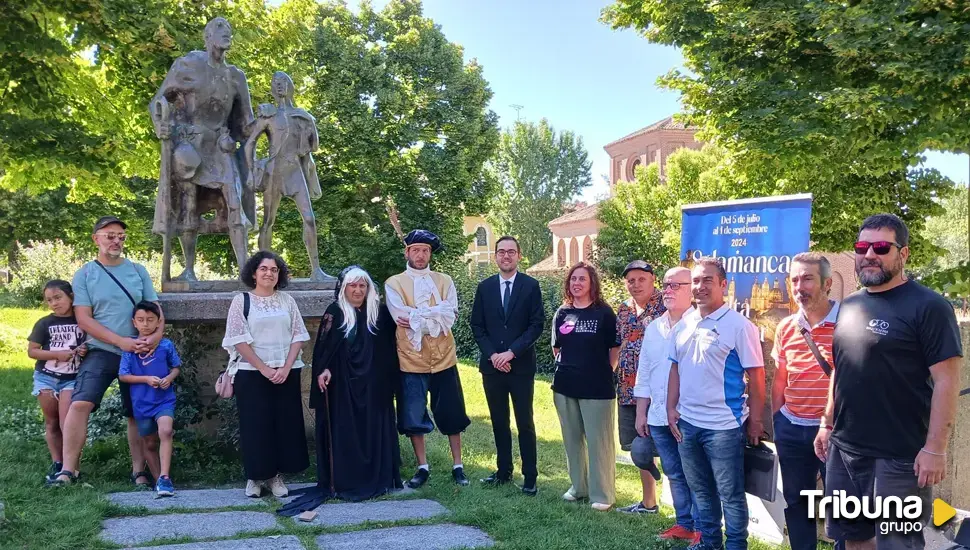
225 519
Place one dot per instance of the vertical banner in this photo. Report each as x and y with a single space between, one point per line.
756 239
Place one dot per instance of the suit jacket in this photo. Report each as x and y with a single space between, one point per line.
495 333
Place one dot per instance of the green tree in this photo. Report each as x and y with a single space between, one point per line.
399 111
948 231
642 219
539 171
827 97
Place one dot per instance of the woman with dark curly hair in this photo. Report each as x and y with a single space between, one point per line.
264 338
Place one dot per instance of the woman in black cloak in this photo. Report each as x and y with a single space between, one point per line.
355 373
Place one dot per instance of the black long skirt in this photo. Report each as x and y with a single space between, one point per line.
271 431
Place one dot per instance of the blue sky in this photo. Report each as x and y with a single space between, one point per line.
556 60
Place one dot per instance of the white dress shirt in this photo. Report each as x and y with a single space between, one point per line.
653 369
424 318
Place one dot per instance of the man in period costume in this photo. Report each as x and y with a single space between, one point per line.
201 113
424 304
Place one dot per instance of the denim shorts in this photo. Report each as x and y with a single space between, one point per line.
47 382
149 425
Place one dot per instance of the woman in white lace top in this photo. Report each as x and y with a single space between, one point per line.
265 344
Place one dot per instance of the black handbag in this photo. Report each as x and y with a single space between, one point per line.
760 472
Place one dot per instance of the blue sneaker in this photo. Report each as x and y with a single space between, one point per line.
164 487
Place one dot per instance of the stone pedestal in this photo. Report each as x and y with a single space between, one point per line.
196 323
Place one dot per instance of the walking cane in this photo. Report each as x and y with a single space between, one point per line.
326 403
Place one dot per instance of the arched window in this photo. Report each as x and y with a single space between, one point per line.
633 168
481 237
587 249
561 254
573 251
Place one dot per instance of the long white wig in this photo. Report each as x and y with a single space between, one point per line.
373 301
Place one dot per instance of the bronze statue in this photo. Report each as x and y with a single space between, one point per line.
201 113
289 169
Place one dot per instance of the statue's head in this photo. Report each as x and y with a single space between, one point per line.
218 34
282 86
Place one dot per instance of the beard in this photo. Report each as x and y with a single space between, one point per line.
868 279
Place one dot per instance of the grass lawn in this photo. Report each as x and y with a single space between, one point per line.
39 518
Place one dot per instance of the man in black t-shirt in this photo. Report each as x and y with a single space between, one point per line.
894 392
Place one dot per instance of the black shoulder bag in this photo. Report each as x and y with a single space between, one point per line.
117 282
818 355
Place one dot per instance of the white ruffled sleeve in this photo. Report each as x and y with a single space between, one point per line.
237 329
298 330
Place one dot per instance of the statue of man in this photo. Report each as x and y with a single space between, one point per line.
201 113
289 169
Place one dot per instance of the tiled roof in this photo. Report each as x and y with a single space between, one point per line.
666 124
585 213
547 265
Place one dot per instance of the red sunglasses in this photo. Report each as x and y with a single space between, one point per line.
879 247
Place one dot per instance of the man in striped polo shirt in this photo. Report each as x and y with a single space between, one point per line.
800 389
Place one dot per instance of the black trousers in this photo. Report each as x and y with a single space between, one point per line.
499 387
271 432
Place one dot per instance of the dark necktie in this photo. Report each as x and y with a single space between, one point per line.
506 297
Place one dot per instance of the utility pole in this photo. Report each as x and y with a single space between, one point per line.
518 108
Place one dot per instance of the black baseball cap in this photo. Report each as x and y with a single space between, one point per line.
105 221
638 264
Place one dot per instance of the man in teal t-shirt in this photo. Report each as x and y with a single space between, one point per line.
105 293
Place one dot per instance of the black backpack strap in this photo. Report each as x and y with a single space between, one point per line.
818 355
117 282
246 306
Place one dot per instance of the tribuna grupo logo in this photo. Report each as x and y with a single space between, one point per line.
892 514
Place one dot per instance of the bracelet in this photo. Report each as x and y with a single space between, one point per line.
923 450
827 427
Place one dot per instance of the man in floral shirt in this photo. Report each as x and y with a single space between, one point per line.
632 317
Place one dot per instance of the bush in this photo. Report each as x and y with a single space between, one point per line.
39 262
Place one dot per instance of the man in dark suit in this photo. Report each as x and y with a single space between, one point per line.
507 319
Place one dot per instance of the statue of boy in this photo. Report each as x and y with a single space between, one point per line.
201 112
289 169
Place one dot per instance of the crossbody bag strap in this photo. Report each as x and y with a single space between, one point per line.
117 282
246 306
818 355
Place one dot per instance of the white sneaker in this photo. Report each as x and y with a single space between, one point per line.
568 496
600 507
254 489
278 487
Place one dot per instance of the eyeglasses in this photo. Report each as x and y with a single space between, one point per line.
506 252
673 286
120 237
879 247
263 269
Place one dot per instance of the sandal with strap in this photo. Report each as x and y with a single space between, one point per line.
147 485
58 482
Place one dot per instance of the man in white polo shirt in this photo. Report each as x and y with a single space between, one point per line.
711 349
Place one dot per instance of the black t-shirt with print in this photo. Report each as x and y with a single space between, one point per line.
584 338
55 333
884 345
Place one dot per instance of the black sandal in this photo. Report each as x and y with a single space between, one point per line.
143 486
58 482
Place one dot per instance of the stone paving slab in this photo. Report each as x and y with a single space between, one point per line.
407 491
284 542
352 513
138 530
196 499
418 537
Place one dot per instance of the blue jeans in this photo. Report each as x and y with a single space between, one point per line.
799 470
713 463
685 505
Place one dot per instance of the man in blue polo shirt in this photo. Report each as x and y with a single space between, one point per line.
708 411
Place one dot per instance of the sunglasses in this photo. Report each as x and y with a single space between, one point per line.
879 247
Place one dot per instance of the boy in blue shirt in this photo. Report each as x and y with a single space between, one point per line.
150 376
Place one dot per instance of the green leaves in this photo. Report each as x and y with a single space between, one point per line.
539 170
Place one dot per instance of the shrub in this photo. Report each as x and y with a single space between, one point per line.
39 262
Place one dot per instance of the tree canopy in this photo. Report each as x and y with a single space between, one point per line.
400 113
834 98
538 170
